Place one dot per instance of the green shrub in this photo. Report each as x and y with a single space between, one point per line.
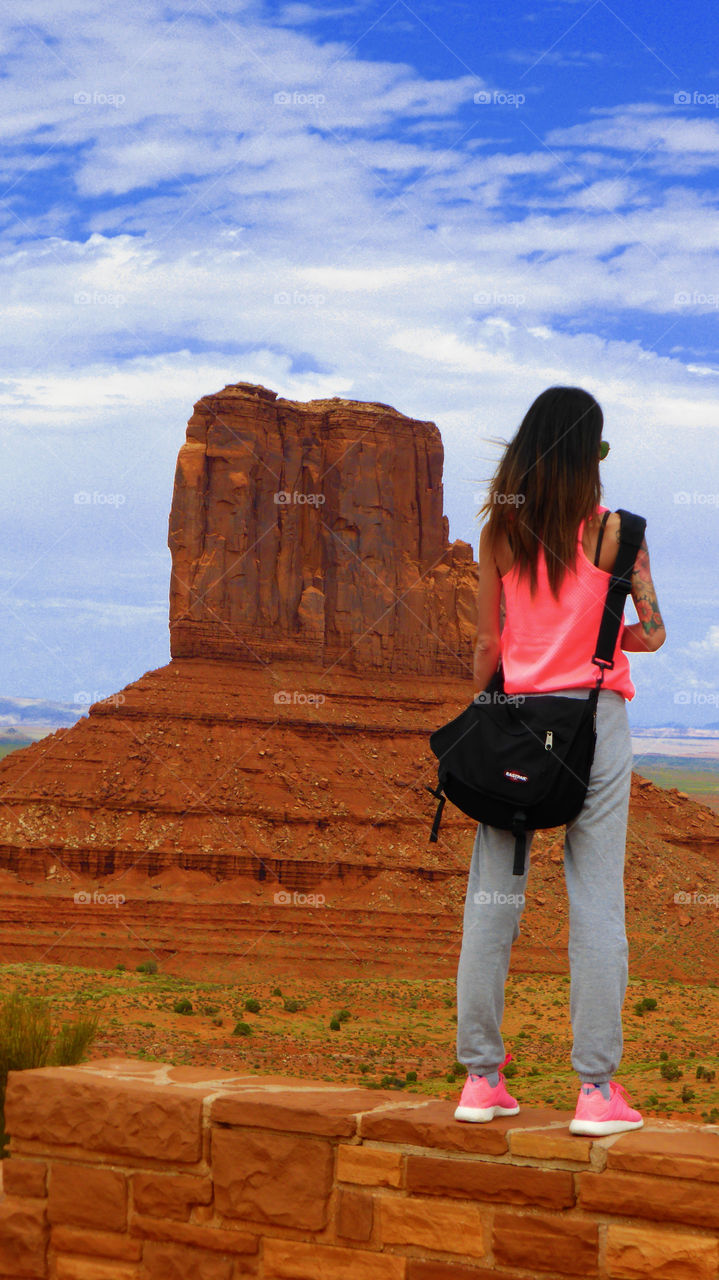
182 1006
275 991
670 1071
147 966
252 1006
292 1006
411 1076
335 1024
663 1055
343 1015
242 1029
391 1082
688 1094
510 1070
73 1040
27 1039
647 1002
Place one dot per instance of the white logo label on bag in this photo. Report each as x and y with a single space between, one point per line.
514 776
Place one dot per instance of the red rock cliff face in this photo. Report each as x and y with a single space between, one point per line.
316 531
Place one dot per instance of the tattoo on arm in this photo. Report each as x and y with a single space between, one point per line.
643 593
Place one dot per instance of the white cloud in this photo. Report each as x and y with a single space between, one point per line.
669 141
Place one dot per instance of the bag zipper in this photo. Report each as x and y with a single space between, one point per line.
548 740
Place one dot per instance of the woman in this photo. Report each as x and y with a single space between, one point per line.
550 546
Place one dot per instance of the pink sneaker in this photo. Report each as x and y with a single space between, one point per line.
595 1116
479 1101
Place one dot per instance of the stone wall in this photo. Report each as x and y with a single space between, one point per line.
126 1170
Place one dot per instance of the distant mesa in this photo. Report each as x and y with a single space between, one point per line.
316 531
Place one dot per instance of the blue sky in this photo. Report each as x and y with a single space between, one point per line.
443 208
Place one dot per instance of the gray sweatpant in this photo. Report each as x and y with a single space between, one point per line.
594 849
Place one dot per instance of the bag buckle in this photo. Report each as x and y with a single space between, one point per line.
602 664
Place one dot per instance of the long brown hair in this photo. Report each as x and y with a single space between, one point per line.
547 482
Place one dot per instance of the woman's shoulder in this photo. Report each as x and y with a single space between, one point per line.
610 537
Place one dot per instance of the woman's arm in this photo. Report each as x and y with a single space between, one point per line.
488 645
648 633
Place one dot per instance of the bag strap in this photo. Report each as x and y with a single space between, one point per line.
605 517
631 533
439 795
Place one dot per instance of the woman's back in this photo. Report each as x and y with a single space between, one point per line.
590 536
547 642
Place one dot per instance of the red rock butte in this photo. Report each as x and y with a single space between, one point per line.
284 749
316 531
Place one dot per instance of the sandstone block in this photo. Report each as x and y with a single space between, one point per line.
167 1195
87 1196
369 1165
320 1112
103 1244
431 1224
68 1267
549 1144
296 1260
635 1195
68 1107
355 1215
672 1154
486 1180
544 1242
272 1177
649 1253
23 1238
431 1124
24 1177
216 1239
426 1269
173 1262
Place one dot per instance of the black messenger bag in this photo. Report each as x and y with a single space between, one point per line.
520 762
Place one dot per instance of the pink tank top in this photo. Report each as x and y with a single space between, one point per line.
547 644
